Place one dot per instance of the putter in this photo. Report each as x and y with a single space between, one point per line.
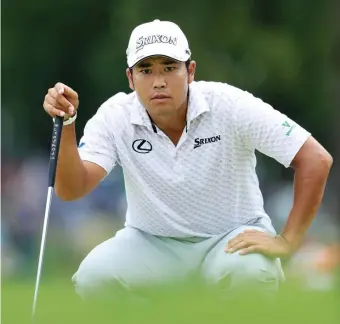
56 135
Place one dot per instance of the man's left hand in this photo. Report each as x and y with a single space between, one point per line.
253 241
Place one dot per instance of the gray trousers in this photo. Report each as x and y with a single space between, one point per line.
133 259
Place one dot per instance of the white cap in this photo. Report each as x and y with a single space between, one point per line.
163 38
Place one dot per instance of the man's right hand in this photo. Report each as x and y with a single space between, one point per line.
61 100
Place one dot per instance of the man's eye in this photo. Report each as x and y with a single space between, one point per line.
170 68
146 71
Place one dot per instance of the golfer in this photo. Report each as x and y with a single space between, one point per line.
187 151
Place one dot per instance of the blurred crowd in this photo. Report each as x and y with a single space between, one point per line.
76 227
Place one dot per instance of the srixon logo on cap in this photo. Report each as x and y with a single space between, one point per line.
152 39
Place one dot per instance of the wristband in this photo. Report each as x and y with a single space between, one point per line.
69 120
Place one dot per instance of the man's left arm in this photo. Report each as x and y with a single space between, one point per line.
311 164
260 127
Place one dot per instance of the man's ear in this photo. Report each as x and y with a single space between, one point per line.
129 76
191 71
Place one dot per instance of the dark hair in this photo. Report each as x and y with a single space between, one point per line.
187 63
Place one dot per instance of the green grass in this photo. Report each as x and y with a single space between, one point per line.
58 303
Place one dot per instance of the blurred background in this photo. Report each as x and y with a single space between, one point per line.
285 52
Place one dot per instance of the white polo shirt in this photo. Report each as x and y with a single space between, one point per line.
207 184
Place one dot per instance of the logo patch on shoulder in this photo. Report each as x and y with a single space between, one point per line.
289 126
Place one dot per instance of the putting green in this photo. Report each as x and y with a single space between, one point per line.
57 303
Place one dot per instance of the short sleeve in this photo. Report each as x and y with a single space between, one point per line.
263 128
97 144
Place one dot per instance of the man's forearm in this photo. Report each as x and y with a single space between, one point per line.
309 184
71 174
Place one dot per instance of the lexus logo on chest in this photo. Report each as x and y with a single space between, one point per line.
142 146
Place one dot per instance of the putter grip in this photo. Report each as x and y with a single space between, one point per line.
56 136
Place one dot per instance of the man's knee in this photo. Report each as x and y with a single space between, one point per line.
129 261
252 270
95 276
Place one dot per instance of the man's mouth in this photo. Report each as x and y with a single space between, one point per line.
158 96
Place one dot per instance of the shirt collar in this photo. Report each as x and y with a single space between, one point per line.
139 115
197 105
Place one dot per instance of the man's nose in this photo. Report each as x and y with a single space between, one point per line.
159 81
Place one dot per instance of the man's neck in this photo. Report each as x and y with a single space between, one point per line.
173 125
172 122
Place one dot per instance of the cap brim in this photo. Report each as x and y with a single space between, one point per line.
157 51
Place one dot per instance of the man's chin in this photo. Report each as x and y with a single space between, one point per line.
161 108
